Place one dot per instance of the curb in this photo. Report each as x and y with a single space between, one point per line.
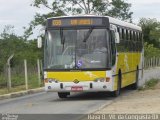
21 93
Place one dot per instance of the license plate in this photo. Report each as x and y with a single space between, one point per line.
77 88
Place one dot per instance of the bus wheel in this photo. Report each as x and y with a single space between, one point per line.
63 94
118 91
135 85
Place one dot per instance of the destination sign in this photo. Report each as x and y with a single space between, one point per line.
81 22
70 22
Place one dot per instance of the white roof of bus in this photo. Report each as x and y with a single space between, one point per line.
111 20
122 23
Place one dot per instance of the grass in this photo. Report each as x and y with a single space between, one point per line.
13 89
150 84
18 83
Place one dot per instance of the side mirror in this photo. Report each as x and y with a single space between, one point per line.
117 39
39 42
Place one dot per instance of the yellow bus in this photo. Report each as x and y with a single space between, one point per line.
91 54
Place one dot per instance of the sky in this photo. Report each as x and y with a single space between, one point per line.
145 8
19 13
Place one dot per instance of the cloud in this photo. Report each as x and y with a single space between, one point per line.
7 21
19 12
145 8
140 2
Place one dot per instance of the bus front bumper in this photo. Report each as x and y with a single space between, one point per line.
88 86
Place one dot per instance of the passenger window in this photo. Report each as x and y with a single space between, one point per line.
127 35
138 36
134 37
131 35
118 29
120 33
113 47
123 34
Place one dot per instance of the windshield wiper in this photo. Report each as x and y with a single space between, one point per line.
62 38
88 34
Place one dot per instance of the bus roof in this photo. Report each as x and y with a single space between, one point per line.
122 23
111 20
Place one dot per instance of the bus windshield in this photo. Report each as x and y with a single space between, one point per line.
77 49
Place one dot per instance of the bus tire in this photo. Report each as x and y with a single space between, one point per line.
63 94
135 85
117 92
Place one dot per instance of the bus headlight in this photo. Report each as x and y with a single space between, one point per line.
100 80
51 80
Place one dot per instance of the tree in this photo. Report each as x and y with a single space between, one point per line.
150 51
151 31
116 8
22 49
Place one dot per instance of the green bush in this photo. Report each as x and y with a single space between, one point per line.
150 51
33 81
3 81
18 80
151 83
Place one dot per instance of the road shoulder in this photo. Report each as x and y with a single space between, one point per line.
21 93
137 102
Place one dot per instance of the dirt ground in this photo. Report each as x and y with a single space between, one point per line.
137 102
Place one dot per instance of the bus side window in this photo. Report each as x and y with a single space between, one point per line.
135 42
138 41
132 41
126 47
120 33
118 29
137 36
129 41
121 45
123 38
134 36
113 47
131 36
127 36
141 41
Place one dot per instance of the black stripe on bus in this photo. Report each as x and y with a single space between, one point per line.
76 70
126 72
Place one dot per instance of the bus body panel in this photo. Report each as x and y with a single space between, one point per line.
81 79
70 76
128 63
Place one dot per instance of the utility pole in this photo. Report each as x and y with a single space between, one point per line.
9 71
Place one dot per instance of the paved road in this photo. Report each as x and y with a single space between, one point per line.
49 103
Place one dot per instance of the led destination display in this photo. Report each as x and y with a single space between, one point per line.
71 22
